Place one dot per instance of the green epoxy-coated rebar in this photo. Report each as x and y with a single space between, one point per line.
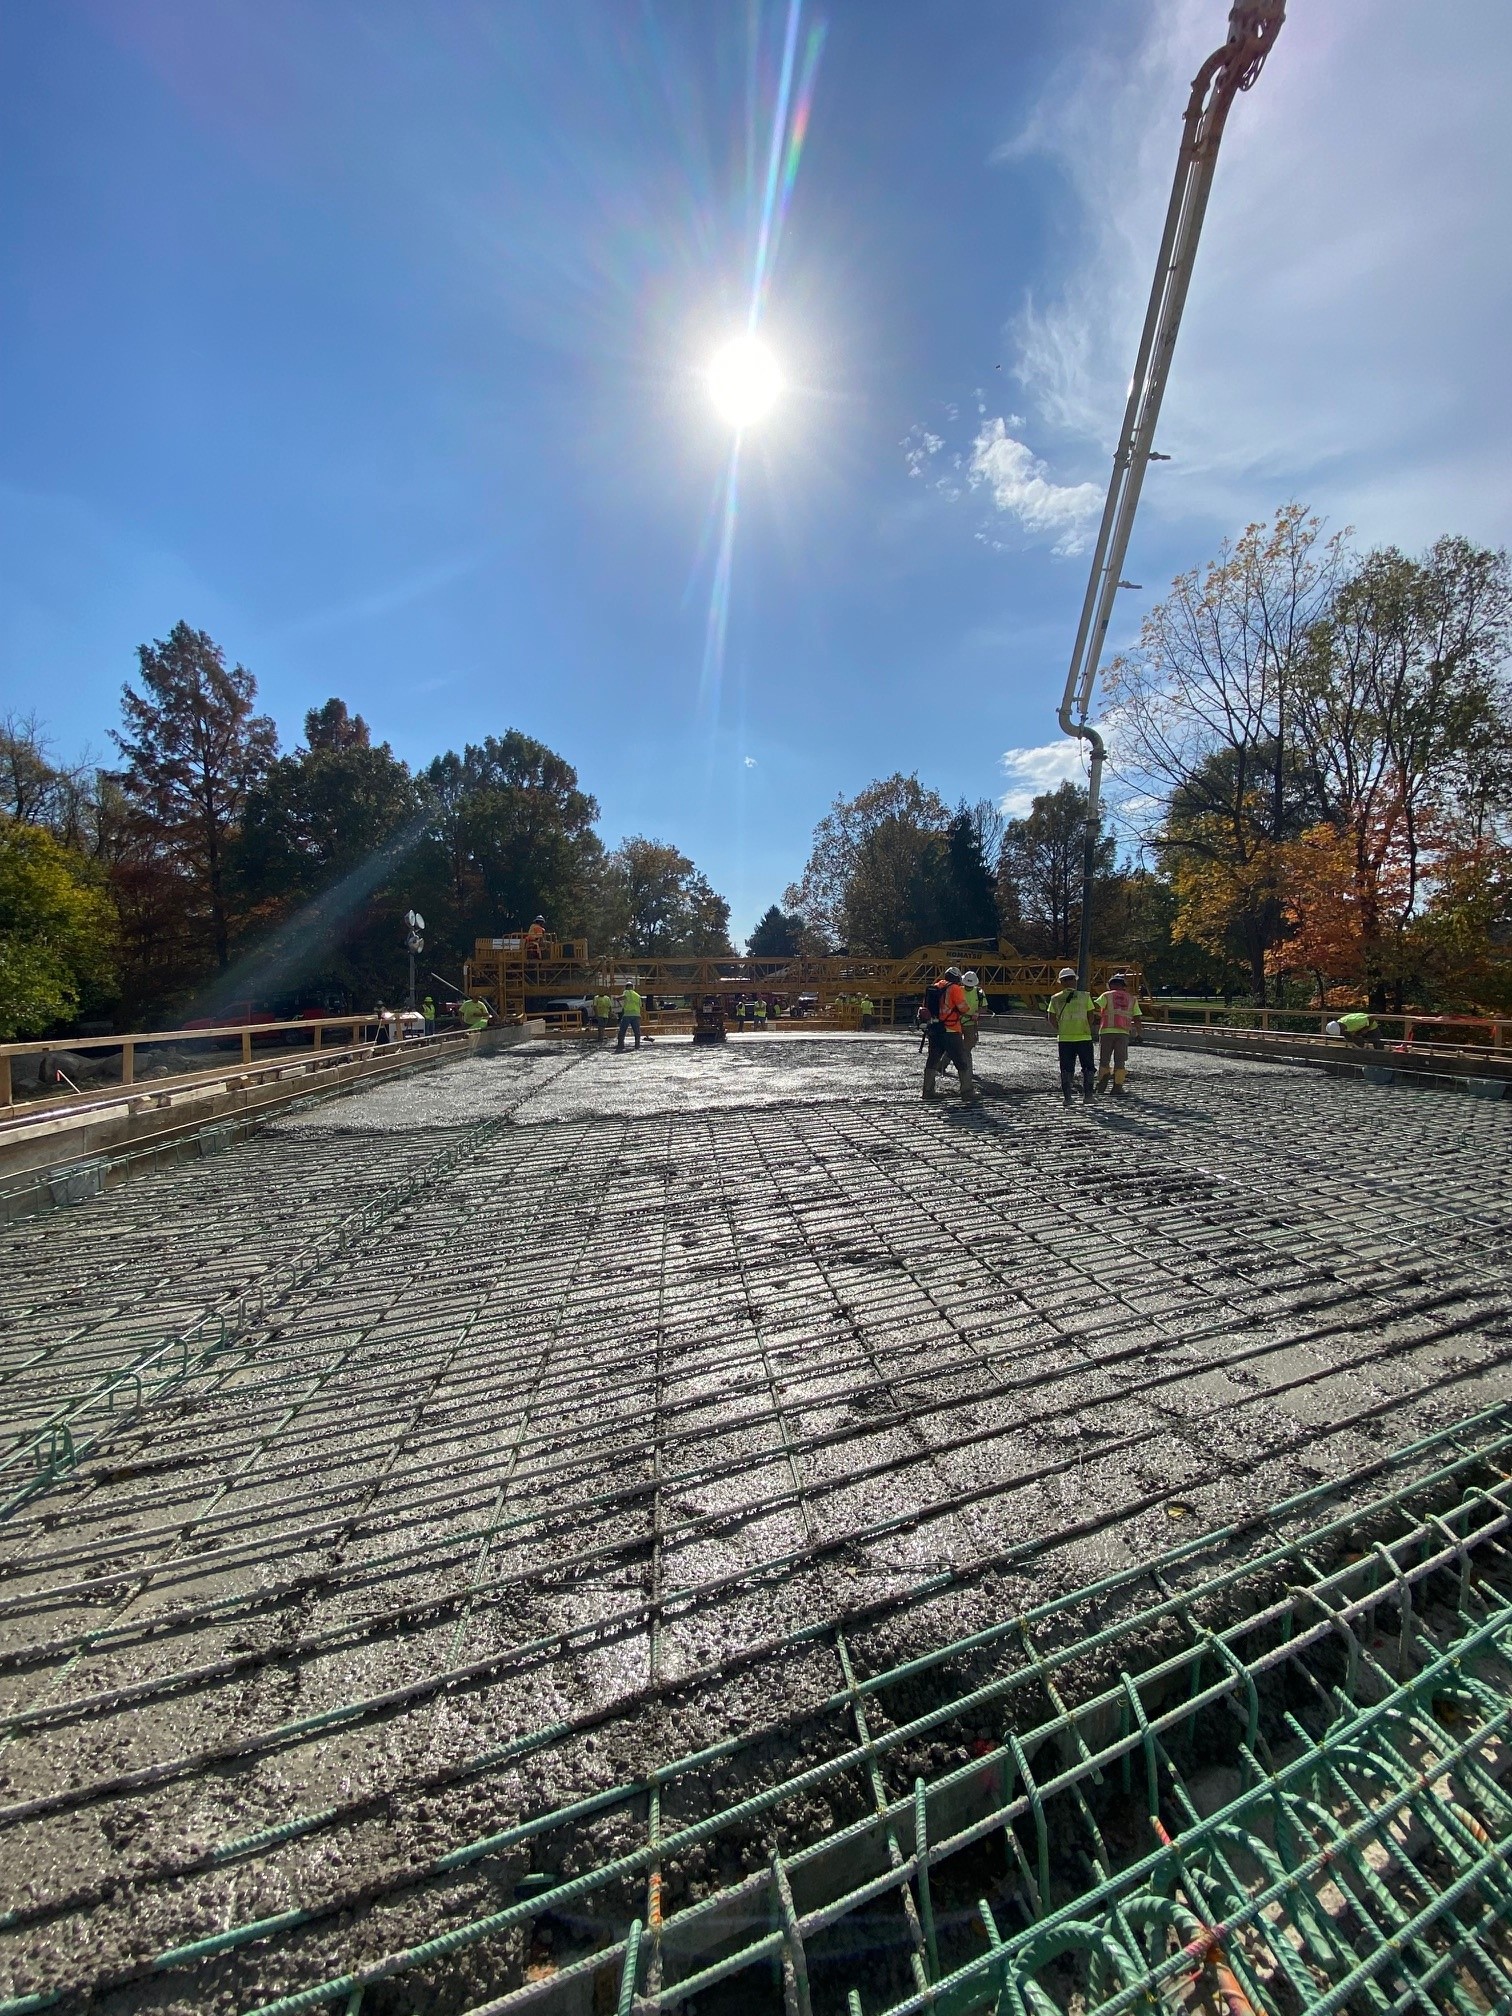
632 1963
921 1856
867 1371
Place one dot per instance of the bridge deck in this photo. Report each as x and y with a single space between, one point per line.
575 1415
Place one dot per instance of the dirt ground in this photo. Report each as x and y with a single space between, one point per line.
576 1412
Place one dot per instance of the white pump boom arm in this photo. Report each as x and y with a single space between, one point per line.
1253 28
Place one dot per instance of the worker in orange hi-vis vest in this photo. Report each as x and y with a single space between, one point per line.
1119 1011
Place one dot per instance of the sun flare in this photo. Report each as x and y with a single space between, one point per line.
744 382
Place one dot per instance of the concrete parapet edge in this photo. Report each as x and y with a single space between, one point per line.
101 1152
1376 1067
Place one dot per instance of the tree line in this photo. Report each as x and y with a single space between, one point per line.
206 868
1314 749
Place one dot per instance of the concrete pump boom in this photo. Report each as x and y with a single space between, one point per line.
1253 28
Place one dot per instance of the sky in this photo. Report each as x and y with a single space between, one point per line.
372 337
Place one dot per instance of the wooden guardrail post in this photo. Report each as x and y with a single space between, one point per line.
316 1027
128 1062
5 1082
246 1046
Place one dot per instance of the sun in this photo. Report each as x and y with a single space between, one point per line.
744 382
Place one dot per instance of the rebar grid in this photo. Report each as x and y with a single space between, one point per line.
672 1428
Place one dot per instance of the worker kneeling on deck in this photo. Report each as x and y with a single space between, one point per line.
629 1016
1071 1011
474 1015
1118 1011
1358 1028
945 1005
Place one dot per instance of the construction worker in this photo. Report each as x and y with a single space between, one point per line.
946 1002
603 1013
1357 1028
629 1014
1071 1011
535 940
761 1011
868 1012
1118 1011
972 1010
474 1016
428 1010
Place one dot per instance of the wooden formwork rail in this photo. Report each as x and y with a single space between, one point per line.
1487 1032
355 1027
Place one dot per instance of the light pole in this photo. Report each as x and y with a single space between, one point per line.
414 924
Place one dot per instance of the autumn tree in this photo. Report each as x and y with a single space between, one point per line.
1040 873
1403 721
867 862
655 903
75 802
1462 942
897 894
1203 718
193 749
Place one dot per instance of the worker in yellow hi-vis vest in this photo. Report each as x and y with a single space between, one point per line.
629 1014
1119 1011
1070 1010
1358 1028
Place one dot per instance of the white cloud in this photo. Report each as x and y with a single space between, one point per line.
750 762
1020 486
1344 340
919 449
1031 771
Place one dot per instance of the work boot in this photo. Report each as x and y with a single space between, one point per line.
1087 1093
1120 1082
1102 1081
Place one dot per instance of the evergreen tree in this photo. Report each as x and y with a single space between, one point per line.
775 936
194 748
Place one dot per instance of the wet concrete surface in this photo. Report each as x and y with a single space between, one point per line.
619 1424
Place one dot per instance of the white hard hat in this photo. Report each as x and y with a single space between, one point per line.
1332 1029
1068 973
969 977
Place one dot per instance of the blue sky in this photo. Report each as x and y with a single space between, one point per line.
370 337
